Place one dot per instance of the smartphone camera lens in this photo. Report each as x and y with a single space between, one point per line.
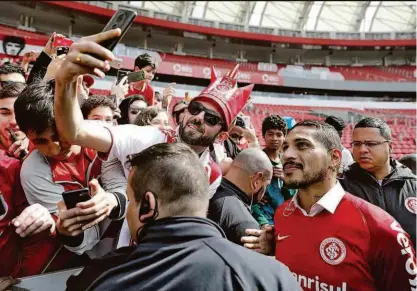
114 26
120 18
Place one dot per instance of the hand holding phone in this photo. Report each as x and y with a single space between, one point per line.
77 63
120 75
134 77
61 40
62 50
123 19
73 197
19 147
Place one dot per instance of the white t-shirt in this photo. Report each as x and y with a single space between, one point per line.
131 139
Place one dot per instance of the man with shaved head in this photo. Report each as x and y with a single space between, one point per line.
244 184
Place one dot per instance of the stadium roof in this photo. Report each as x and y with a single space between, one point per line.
341 16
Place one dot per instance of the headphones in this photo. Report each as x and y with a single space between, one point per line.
145 208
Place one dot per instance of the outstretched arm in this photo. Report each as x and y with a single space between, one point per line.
79 61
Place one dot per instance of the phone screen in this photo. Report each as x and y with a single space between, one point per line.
73 197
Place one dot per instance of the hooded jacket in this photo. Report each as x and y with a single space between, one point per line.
396 194
184 253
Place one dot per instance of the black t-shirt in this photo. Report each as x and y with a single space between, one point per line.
230 208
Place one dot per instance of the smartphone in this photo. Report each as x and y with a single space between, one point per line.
120 75
246 120
123 19
73 197
62 50
62 41
3 207
135 76
14 139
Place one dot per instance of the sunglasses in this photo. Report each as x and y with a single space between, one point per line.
210 118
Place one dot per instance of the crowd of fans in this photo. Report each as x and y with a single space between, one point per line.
186 199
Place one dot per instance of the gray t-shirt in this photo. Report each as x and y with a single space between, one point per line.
39 187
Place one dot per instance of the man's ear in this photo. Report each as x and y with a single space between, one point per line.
259 176
222 136
147 207
336 158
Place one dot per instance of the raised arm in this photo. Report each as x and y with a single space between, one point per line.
79 61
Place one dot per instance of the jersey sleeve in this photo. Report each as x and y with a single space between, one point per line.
37 183
131 139
393 258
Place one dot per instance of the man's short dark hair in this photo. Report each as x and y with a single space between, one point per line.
274 122
124 107
10 69
95 101
12 90
174 174
373 122
34 108
146 115
144 60
336 122
325 133
409 161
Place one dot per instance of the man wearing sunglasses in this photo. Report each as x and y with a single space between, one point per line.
208 117
378 178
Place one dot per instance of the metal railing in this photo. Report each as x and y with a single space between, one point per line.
257 29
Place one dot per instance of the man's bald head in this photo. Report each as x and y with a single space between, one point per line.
252 161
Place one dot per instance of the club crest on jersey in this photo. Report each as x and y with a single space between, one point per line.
411 204
332 251
289 209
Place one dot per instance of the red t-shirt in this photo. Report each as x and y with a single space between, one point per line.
359 247
146 91
27 256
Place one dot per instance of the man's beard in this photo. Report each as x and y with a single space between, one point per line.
307 179
193 138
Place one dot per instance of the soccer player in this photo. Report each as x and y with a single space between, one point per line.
330 239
